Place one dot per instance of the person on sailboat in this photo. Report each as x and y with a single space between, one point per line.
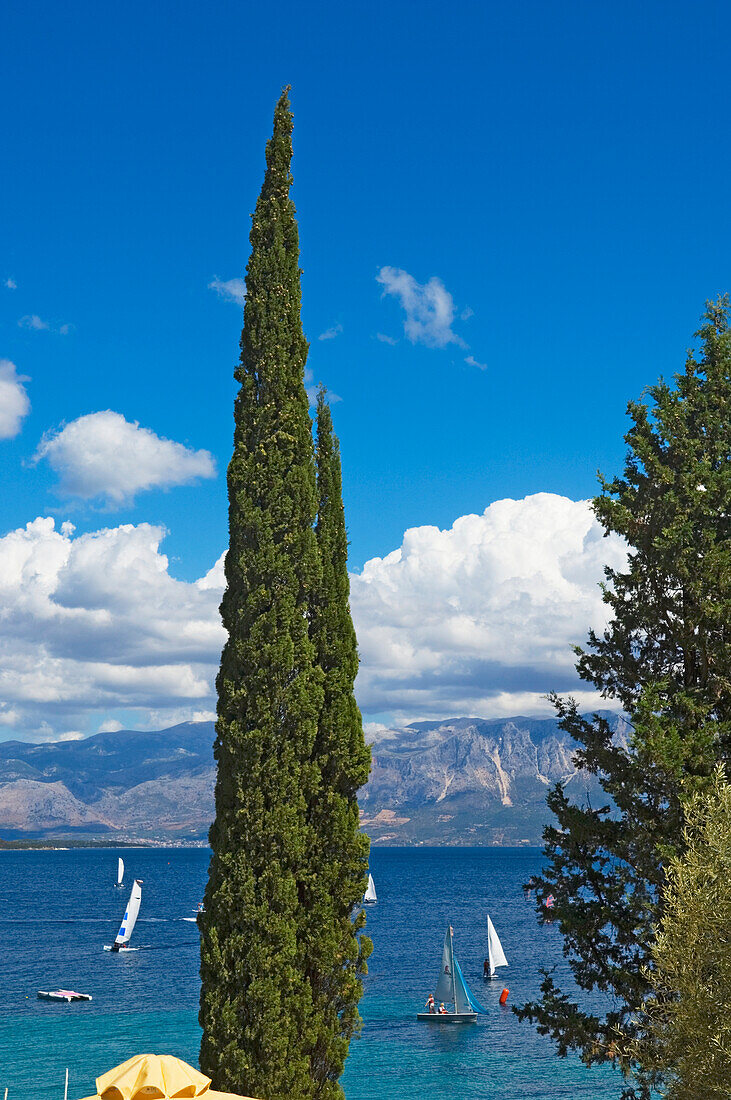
486 968
431 1003
442 1009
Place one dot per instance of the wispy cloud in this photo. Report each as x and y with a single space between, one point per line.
472 362
33 321
103 456
14 402
232 290
331 333
391 340
311 390
10 284
36 324
429 308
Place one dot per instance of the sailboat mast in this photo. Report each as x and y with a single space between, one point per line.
451 967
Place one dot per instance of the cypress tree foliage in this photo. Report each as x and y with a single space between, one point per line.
259 1028
688 1039
338 954
666 657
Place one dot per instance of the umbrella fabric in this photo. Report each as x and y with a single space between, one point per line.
151 1076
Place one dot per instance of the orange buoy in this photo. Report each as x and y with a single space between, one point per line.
504 996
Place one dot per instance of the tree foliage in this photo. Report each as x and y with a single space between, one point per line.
338 954
279 967
666 658
688 1034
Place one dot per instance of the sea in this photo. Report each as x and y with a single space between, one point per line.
58 909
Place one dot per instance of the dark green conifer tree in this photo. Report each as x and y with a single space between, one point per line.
259 1027
666 657
338 955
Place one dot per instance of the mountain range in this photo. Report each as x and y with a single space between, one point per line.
464 781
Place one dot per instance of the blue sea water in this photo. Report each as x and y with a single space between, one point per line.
58 909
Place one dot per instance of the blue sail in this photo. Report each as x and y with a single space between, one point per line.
466 999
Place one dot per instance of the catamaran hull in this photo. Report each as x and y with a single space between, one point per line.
122 950
448 1017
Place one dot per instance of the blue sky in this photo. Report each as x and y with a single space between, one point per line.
561 168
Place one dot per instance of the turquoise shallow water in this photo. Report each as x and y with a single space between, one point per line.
57 909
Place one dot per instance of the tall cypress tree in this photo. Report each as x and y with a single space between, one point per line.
256 998
338 954
666 658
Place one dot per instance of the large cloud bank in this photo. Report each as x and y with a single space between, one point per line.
94 624
478 619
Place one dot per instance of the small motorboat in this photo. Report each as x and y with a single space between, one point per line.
67 995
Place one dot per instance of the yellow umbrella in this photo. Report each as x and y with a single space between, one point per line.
151 1076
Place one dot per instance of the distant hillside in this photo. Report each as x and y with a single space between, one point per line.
462 781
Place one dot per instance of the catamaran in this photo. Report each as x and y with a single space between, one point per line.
495 953
128 921
452 989
120 871
370 894
67 995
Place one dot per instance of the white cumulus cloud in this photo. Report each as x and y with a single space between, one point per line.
480 619
429 307
14 402
102 455
233 290
95 623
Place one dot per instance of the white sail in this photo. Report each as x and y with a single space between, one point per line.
495 951
445 985
120 871
370 894
130 914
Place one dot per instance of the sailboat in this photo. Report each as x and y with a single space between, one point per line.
495 953
120 871
128 920
452 989
370 894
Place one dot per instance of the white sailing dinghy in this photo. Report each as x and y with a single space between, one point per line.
120 872
370 895
128 920
452 989
495 953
